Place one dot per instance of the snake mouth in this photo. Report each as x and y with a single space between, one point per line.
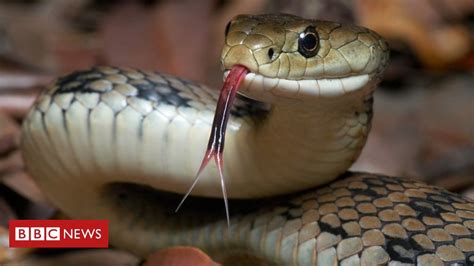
261 87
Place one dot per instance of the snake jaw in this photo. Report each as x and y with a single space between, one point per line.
272 90
215 146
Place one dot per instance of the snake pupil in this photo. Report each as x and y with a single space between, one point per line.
308 42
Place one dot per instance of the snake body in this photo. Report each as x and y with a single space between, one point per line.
119 144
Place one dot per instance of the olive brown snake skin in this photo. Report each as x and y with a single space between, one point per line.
119 144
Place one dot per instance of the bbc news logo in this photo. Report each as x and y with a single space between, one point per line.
59 233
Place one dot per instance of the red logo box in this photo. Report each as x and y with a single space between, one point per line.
59 233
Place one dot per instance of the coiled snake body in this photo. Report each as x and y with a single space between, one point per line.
118 144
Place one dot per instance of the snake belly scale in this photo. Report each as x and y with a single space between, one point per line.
120 144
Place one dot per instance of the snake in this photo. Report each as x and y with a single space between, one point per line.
123 144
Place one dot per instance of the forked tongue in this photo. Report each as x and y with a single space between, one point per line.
215 147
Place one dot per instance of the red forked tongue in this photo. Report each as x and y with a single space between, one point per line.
215 147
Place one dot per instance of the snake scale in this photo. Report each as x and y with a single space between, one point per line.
120 144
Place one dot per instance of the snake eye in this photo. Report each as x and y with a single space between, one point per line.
308 42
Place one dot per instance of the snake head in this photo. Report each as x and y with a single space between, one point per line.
294 59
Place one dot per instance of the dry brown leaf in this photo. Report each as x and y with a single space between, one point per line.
421 25
177 256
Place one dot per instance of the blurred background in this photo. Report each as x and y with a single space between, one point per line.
424 109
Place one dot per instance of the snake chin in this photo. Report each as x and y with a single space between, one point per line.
268 89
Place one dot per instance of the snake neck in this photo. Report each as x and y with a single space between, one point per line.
311 144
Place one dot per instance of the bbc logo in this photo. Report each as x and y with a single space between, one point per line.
58 233
37 233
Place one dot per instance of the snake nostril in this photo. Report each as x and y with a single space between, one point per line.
271 52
